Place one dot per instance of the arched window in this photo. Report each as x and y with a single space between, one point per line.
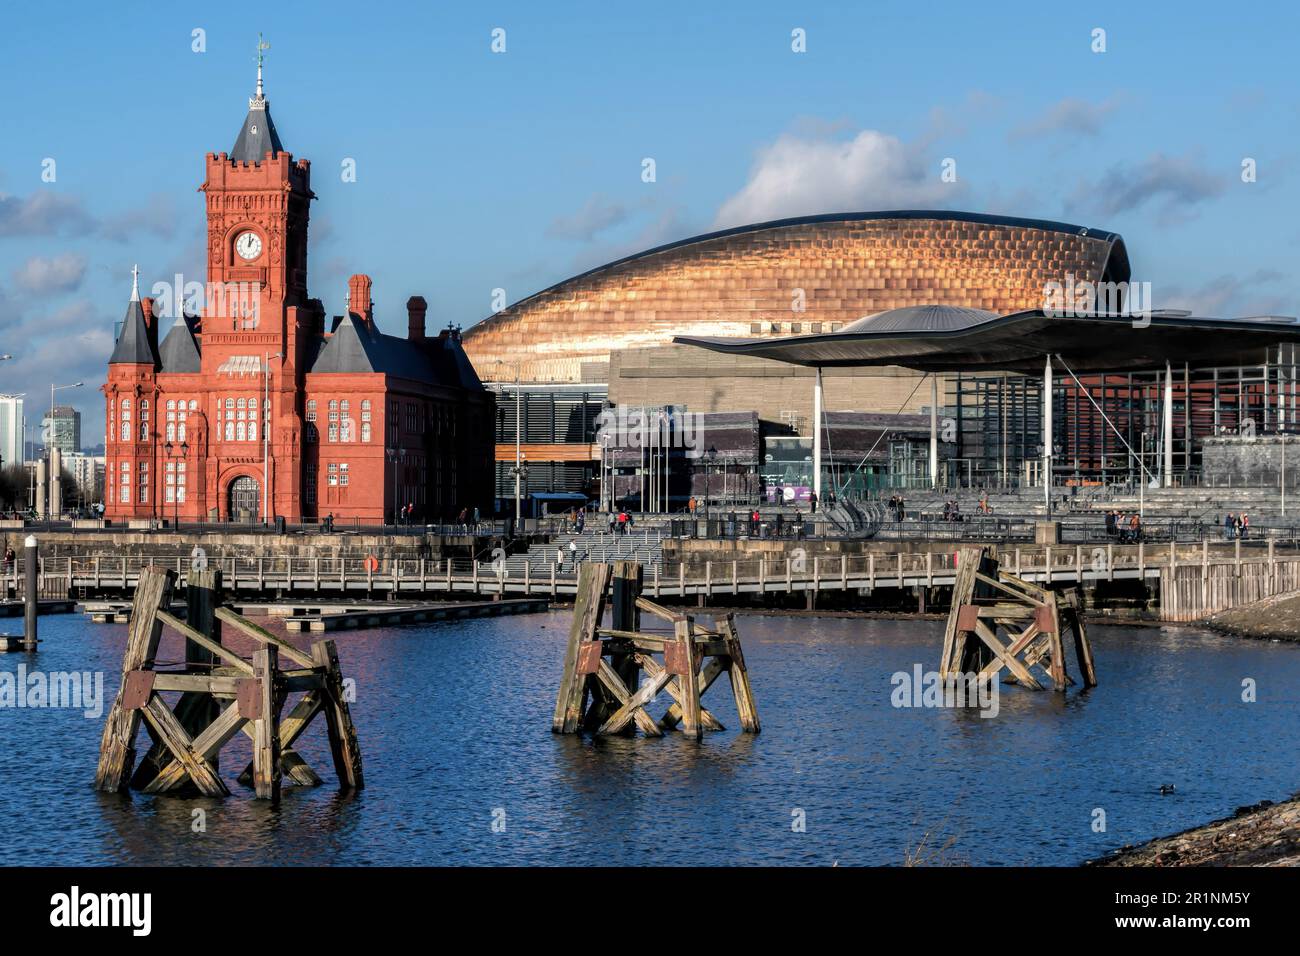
365 431
230 431
194 406
171 431
252 431
239 432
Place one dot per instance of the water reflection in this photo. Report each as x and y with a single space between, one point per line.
454 725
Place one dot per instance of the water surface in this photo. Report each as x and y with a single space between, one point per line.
454 726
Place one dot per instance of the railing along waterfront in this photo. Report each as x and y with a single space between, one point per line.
1195 569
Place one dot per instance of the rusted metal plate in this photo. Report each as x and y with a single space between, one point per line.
1045 620
248 697
677 658
588 657
136 689
967 616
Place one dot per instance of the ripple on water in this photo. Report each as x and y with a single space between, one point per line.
454 724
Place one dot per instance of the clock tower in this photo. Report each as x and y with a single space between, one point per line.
257 323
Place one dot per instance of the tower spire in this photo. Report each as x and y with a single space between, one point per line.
135 283
259 100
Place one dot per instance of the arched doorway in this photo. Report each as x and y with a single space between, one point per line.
244 498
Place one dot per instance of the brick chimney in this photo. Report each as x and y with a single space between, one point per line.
416 308
359 298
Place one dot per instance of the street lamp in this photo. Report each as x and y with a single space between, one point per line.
176 480
711 455
395 455
49 442
266 431
517 471
49 438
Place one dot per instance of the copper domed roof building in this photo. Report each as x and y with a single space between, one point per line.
789 276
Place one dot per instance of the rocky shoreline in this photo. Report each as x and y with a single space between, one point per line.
1266 834
1274 618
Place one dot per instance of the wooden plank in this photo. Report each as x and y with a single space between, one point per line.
1082 648
338 718
117 743
738 673
588 610
692 725
198 639
262 635
178 742
206 745
658 611
266 729
707 675
963 592
625 587
1018 670
291 728
646 693
609 678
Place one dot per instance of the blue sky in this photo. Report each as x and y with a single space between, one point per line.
479 170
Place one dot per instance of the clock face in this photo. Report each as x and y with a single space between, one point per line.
249 245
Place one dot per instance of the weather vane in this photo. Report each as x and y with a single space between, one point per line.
262 47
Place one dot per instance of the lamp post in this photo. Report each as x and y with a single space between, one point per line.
396 456
266 431
49 438
49 445
711 455
176 479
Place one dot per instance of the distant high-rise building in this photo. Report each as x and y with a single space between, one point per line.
62 430
11 430
88 472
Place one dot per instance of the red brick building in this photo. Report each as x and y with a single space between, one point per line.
258 407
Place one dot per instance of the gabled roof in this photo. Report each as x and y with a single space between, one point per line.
133 346
257 136
356 346
179 351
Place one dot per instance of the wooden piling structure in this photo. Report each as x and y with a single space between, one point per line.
222 694
693 657
1034 619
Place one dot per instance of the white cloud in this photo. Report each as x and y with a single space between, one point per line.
61 273
803 176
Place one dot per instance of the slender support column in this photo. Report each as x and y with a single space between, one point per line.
1047 434
817 436
934 430
1169 426
31 590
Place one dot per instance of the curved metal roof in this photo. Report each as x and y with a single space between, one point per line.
1119 252
946 339
921 318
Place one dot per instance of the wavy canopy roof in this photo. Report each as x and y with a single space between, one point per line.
937 338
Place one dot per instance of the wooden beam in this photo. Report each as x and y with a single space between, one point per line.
263 636
266 729
178 742
338 718
588 610
198 639
117 744
206 745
